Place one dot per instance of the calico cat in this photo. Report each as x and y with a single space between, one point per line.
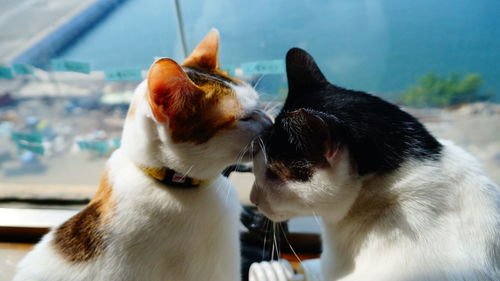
163 211
395 203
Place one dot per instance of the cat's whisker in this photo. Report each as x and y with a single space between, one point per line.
263 149
266 225
269 104
326 192
217 188
270 113
276 105
278 241
273 100
242 153
228 189
289 244
270 108
258 82
239 160
273 243
186 173
252 149
316 218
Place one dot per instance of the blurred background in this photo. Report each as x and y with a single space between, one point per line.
68 69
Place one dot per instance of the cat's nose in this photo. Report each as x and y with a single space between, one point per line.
262 118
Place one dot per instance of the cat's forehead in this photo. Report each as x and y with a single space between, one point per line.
294 150
222 84
202 76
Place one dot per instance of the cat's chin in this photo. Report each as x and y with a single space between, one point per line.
274 216
278 218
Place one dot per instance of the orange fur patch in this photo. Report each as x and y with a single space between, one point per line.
195 106
203 117
82 237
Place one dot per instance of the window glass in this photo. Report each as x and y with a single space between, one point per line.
68 72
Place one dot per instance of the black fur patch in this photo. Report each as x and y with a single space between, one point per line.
318 115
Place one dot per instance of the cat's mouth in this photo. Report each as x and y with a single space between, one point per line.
258 116
272 215
258 198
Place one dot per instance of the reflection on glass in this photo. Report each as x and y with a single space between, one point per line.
68 74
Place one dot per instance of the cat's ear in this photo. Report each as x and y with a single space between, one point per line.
302 71
205 55
169 89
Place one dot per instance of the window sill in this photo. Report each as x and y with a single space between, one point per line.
28 225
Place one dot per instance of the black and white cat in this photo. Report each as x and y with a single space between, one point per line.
396 203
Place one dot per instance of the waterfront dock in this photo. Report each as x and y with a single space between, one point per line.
33 31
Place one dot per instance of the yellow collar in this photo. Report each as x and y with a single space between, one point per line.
170 177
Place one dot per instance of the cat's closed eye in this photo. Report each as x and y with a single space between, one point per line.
257 116
247 117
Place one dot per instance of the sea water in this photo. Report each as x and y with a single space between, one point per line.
381 46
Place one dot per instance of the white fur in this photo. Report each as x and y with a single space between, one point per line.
157 232
431 220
